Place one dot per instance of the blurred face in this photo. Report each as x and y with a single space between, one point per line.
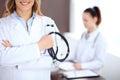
24 5
88 21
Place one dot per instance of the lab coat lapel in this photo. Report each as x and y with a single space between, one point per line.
37 29
18 26
18 34
21 36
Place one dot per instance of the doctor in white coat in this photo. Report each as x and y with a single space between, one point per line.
23 41
91 48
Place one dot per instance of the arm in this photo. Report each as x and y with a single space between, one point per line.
98 61
15 55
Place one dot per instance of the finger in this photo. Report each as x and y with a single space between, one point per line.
6 43
49 36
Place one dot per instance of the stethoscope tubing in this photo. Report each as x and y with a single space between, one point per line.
51 51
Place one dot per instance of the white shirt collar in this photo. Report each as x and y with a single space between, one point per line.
92 35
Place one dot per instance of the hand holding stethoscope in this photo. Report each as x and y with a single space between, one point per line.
58 52
45 42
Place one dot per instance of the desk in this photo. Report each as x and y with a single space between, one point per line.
57 76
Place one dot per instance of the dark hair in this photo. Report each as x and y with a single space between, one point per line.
94 12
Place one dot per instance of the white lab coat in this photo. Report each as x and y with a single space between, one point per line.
90 53
24 61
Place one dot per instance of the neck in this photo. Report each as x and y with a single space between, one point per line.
24 14
92 29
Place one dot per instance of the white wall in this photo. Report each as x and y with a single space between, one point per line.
76 9
110 24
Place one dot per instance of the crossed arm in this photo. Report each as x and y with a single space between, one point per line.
44 43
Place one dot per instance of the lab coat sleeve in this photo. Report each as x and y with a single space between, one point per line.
98 61
16 55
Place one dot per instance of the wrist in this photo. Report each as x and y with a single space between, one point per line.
40 46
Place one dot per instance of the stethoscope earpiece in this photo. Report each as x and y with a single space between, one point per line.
50 25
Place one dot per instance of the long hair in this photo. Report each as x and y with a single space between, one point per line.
11 6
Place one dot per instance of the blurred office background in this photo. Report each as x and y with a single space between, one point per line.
109 27
68 17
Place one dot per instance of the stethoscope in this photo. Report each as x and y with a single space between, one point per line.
94 39
54 53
